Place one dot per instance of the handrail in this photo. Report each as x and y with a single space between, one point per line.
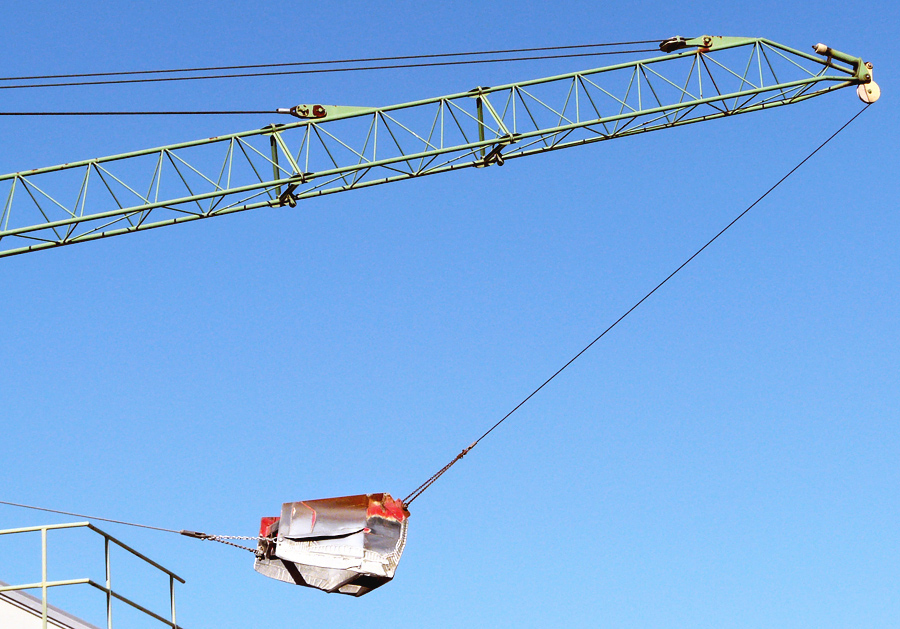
44 584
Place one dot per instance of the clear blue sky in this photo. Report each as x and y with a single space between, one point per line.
727 457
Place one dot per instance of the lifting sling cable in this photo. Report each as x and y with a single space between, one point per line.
428 483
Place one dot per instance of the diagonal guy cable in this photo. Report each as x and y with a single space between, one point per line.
326 70
470 53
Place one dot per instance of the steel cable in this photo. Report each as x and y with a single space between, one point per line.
327 62
222 539
431 480
325 70
138 113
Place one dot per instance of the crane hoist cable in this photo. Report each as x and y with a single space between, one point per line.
289 545
470 53
433 478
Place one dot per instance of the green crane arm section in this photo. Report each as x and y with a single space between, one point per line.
334 149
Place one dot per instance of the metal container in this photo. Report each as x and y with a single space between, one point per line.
349 545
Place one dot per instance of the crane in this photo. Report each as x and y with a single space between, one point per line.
352 544
330 149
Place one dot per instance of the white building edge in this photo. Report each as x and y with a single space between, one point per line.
20 610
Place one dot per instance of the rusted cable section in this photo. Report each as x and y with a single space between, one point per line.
421 488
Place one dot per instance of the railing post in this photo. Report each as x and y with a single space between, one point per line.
46 583
44 578
172 598
108 583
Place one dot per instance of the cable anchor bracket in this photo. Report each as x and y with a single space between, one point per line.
304 112
321 112
495 155
197 535
288 197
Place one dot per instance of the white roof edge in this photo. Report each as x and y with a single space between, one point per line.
32 604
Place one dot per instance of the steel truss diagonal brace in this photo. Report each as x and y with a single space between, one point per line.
335 149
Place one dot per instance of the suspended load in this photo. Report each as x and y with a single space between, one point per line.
349 545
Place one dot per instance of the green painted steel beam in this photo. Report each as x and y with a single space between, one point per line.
335 149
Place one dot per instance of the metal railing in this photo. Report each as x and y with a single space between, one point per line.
106 588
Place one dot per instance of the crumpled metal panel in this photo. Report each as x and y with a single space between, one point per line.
350 544
333 517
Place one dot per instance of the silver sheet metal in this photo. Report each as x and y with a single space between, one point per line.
350 545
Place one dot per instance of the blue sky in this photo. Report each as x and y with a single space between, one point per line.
725 457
